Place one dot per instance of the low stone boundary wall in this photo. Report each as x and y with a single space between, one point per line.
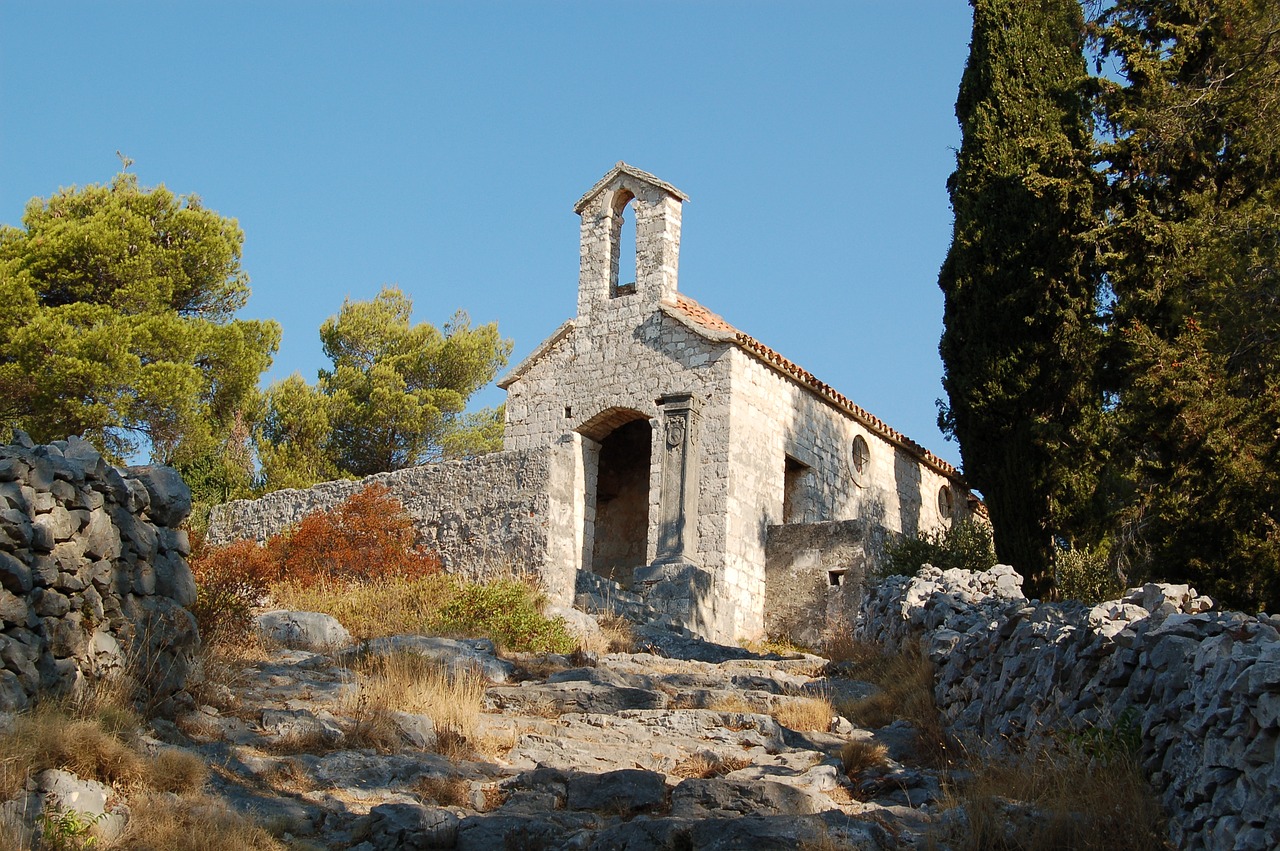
1203 686
484 516
814 575
93 576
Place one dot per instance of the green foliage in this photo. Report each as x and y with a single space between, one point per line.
293 437
1087 574
394 397
508 611
1192 250
1107 744
1021 343
965 545
116 307
67 830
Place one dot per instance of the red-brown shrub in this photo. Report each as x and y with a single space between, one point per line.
366 537
229 581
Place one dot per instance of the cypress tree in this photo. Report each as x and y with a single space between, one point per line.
1021 339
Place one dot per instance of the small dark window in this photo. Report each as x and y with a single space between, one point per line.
835 578
860 457
568 411
794 486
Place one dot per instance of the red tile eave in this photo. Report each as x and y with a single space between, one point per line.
714 322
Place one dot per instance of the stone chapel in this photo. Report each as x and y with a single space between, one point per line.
729 486
658 457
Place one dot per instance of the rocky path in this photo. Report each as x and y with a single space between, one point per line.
679 746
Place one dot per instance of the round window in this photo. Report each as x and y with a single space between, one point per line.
946 503
861 460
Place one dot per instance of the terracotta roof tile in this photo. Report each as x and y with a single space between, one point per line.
717 324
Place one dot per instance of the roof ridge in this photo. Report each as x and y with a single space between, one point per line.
639 174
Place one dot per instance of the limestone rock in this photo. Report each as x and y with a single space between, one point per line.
456 654
169 497
314 631
627 791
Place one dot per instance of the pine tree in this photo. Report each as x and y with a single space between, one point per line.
1192 237
1021 340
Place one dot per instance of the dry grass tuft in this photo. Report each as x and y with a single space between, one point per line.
191 823
861 755
389 605
453 745
619 633
51 737
1070 799
705 765
804 713
731 703
906 692
175 770
779 645
443 791
407 682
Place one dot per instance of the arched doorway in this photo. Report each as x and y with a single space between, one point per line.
621 526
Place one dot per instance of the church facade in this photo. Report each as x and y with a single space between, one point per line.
691 445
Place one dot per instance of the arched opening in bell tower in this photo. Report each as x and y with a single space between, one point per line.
623 270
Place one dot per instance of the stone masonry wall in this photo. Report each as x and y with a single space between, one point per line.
814 575
484 516
1202 686
772 418
624 360
93 574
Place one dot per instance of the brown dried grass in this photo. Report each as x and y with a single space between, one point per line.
389 605
1068 799
176 770
731 703
195 822
705 765
443 791
804 713
49 736
407 682
861 755
905 680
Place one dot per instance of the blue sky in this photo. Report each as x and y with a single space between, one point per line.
441 146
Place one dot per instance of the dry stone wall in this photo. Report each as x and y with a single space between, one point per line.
1202 686
484 516
93 574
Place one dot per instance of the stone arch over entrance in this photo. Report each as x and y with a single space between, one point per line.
618 504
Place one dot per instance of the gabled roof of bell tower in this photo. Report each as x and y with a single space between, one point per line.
630 171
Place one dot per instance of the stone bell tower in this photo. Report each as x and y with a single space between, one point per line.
657 206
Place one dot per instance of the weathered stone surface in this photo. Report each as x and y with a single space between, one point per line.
574 697
170 498
457 654
627 791
305 630
14 575
392 827
71 583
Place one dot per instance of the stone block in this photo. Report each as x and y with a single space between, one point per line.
14 575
